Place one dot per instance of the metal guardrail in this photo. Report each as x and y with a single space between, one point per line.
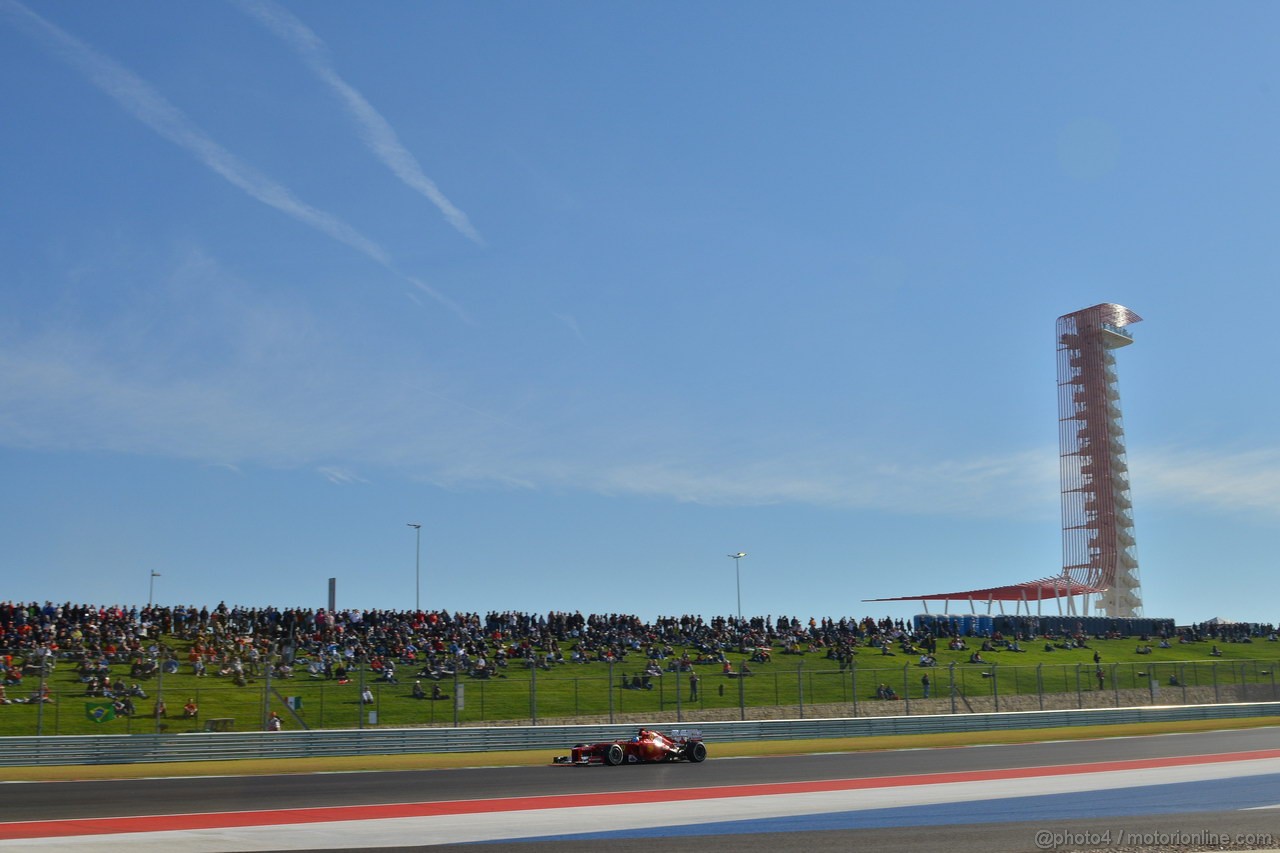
146 748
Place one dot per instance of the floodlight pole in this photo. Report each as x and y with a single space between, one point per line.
417 566
151 593
737 562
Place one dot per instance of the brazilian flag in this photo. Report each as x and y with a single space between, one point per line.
100 712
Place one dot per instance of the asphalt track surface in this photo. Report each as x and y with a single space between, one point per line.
1190 810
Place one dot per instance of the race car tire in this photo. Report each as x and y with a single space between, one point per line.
614 755
696 752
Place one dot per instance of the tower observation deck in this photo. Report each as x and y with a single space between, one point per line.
1099 556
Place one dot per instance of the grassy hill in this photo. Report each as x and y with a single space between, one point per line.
807 683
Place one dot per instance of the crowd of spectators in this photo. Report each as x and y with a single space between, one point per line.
239 643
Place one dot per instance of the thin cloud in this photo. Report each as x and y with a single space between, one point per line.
375 130
1246 480
572 323
144 103
340 476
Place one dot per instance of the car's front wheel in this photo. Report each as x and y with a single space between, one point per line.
614 754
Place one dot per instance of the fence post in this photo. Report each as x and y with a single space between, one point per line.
610 690
995 685
1273 682
1079 695
1115 683
533 691
40 701
951 675
360 700
159 690
1040 684
455 692
679 674
853 675
799 686
266 694
1214 673
1182 679
906 687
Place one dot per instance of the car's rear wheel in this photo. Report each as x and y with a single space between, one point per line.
614 754
696 751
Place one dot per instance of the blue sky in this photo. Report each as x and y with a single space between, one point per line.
599 293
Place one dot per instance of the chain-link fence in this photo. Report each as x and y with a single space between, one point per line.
566 694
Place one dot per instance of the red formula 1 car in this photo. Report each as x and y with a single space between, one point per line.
646 747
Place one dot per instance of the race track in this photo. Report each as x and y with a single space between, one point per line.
1193 787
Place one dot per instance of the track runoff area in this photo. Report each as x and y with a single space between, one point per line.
1215 790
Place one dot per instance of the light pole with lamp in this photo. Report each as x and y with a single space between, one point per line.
151 593
737 562
742 696
417 565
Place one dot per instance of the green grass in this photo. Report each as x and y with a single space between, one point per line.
582 692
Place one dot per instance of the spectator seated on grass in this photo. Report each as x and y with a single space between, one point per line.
884 691
190 710
976 657
418 692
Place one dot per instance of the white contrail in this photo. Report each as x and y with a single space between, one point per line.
151 108
376 131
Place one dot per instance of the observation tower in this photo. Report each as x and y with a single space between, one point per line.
1098 545
1099 556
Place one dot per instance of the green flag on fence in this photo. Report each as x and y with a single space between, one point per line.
100 712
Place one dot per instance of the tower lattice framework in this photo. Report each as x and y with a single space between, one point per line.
1099 550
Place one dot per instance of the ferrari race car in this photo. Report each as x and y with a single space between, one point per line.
646 747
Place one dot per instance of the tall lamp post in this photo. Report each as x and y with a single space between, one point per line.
151 593
737 562
417 566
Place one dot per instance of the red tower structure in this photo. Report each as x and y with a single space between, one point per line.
1099 558
1098 545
